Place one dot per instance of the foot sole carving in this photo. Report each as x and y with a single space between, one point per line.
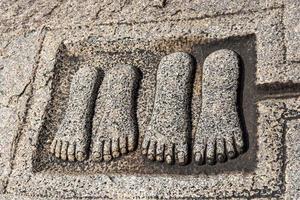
166 137
115 125
219 135
71 139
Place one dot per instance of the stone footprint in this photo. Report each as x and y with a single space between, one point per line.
71 139
115 125
219 135
166 137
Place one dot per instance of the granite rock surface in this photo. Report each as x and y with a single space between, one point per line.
43 44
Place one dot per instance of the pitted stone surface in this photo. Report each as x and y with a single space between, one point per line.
71 139
38 175
219 134
292 23
115 123
266 179
166 138
21 15
16 73
293 159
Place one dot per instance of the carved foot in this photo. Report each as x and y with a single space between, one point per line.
219 135
70 141
166 136
115 123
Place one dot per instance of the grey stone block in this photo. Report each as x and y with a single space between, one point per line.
106 33
264 180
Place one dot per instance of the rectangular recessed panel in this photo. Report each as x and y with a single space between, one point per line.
147 60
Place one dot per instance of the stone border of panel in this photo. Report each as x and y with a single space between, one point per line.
265 181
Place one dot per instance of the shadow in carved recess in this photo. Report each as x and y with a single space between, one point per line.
146 56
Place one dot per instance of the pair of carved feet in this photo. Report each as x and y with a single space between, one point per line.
114 125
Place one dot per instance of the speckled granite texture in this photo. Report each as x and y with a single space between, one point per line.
45 45
115 130
71 139
219 135
166 138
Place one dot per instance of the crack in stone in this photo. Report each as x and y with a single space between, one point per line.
22 124
16 97
133 22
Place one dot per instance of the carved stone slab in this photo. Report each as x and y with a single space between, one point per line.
258 172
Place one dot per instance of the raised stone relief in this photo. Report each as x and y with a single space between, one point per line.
71 139
115 127
149 82
166 138
219 135
114 123
115 130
